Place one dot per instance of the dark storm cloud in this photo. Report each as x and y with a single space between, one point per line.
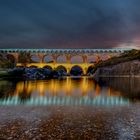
69 23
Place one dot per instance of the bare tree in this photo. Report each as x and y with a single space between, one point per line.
24 58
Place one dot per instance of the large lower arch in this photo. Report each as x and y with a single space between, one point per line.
76 70
61 68
33 66
48 67
19 66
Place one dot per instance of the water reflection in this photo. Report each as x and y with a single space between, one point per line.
129 87
83 91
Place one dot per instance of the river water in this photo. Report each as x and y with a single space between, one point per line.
70 108
71 91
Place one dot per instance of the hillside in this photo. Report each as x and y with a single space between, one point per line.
126 64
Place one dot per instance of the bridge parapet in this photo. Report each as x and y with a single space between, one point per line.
54 51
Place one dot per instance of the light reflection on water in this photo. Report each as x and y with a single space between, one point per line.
82 91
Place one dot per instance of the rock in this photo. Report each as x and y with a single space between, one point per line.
36 73
17 72
47 72
40 73
130 68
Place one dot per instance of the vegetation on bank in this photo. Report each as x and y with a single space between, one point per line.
125 57
7 61
4 73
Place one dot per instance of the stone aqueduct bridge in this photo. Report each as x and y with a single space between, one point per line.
67 53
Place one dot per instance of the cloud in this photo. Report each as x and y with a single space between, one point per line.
69 23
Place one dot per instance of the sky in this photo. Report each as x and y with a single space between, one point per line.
69 23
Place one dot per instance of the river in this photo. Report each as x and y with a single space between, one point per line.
70 108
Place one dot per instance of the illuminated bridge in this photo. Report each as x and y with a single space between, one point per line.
85 101
95 55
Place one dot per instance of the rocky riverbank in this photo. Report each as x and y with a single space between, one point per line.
39 73
32 74
71 123
127 64
130 68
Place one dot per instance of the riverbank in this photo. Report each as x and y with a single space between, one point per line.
124 69
117 76
37 74
61 122
126 65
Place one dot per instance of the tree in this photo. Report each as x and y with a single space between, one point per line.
24 58
6 61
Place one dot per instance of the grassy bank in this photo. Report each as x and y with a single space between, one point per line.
4 73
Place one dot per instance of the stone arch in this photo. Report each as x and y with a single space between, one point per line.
76 70
48 67
19 66
48 58
61 59
91 58
61 68
35 58
104 56
33 66
98 58
77 59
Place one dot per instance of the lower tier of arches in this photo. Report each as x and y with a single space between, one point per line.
83 68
